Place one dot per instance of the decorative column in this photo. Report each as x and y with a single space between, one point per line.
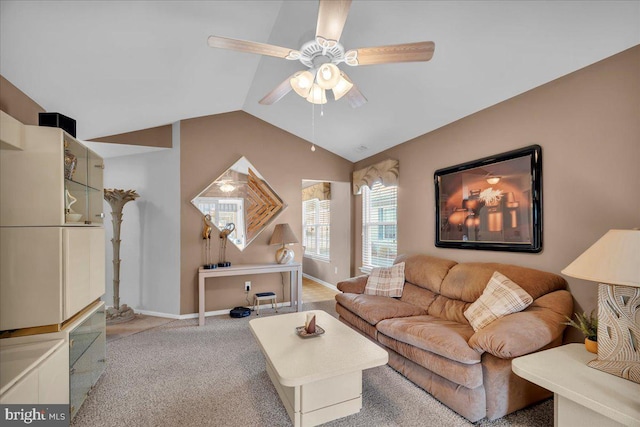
117 199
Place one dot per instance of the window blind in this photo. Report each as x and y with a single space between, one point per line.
316 226
379 225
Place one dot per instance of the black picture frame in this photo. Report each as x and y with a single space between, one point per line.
494 203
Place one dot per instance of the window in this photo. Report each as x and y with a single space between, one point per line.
316 216
379 225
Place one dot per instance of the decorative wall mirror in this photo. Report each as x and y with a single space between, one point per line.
240 196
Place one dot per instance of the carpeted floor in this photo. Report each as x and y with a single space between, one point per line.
179 374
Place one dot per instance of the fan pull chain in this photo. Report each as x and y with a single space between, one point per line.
313 127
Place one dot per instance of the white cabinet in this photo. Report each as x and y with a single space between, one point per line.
53 180
52 266
52 249
34 373
48 274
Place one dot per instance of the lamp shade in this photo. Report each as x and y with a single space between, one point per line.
301 82
613 260
317 95
328 76
282 235
343 86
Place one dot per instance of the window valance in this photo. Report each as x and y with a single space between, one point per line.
385 172
320 191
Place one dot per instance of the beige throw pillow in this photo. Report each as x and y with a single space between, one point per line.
387 282
501 297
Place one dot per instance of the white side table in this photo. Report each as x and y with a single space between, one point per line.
583 396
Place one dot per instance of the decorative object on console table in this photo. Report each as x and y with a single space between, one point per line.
494 203
207 226
283 235
224 237
613 262
117 199
57 120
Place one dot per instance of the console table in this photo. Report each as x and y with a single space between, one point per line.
583 396
295 280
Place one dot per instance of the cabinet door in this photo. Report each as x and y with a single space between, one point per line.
76 244
24 392
84 270
95 196
53 378
96 263
31 184
30 277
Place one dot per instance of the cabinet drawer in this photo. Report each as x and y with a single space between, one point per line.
48 274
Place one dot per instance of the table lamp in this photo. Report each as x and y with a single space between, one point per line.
614 262
283 235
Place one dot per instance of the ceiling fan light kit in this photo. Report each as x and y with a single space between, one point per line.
317 95
323 55
343 87
301 83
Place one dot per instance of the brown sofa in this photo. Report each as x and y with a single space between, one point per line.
431 342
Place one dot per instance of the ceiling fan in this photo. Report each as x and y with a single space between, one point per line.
323 55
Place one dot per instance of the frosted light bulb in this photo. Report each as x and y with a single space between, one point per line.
301 83
328 76
313 147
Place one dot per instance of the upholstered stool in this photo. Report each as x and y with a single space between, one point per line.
264 296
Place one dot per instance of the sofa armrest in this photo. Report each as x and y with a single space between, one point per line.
527 331
355 285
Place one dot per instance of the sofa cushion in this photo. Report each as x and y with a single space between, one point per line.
374 308
501 297
464 374
527 331
443 337
425 271
386 281
467 281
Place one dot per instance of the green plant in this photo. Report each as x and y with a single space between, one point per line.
587 324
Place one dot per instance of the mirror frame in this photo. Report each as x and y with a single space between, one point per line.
261 205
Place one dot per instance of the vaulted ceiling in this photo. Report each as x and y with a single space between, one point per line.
121 66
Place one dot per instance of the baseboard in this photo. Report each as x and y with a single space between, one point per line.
226 311
157 314
322 282
195 315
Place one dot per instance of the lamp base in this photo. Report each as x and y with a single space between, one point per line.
284 255
618 333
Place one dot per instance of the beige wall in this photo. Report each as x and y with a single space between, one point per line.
588 124
208 146
152 137
17 104
339 265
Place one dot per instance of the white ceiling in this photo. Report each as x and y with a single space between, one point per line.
120 66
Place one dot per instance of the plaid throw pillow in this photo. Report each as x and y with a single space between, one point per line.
386 282
500 297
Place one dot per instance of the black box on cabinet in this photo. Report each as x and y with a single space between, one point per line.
57 120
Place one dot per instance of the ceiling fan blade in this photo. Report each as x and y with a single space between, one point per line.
355 97
332 15
278 92
408 52
252 47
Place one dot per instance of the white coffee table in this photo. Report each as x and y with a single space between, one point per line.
318 379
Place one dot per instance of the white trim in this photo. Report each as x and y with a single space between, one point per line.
157 314
195 315
322 282
366 270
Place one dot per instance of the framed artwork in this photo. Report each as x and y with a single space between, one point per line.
494 203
